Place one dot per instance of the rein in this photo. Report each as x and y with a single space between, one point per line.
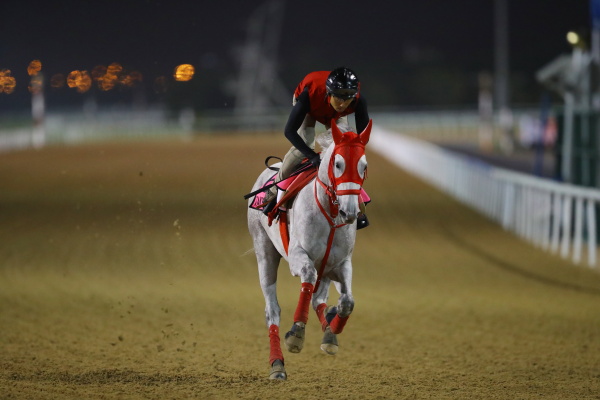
333 209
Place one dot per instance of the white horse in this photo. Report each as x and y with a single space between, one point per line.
322 232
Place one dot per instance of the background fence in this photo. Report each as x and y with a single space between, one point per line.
556 217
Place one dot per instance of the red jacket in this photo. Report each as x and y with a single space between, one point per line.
320 109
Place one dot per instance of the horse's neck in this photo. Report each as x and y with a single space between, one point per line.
314 189
323 174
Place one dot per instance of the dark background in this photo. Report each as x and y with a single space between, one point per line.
407 53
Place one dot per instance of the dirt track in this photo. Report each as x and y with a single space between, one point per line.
124 274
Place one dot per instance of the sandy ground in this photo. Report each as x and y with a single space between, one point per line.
125 275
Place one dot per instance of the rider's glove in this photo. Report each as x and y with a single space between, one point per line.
315 160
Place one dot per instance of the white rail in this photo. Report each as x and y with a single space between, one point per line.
555 217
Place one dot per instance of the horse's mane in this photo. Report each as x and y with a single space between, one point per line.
325 140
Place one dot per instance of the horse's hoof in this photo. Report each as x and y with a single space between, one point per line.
294 339
330 343
278 371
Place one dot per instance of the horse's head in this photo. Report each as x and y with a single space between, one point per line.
347 169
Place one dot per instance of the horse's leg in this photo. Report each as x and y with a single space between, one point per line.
346 301
268 262
319 301
329 344
294 339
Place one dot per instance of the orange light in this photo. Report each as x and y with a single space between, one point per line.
7 82
114 69
36 83
98 72
34 67
80 80
184 72
108 77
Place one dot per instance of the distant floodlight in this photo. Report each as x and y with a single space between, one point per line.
573 38
34 67
80 80
184 72
7 82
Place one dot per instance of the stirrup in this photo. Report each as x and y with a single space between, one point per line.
362 221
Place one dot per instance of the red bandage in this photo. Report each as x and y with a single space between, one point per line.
301 314
338 323
276 353
321 314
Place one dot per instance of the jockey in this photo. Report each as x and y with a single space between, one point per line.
320 97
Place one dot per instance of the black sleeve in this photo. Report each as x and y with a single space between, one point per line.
361 115
297 115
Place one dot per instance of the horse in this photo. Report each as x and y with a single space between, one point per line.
322 233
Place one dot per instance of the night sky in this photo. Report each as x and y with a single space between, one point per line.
392 45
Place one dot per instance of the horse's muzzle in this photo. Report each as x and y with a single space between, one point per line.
348 218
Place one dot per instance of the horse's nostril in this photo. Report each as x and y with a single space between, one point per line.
342 213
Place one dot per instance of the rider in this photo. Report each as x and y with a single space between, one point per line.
320 97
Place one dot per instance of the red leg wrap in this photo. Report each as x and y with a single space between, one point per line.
321 314
338 323
276 353
301 314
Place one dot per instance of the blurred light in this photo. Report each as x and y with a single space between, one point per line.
114 69
184 72
573 38
80 80
103 79
106 77
130 79
36 83
7 82
34 67
57 81
98 72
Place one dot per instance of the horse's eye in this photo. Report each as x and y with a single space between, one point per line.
340 165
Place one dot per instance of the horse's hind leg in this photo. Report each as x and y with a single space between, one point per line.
268 262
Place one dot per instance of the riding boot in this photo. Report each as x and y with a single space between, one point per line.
362 221
270 199
267 209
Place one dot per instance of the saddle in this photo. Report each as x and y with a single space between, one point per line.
291 187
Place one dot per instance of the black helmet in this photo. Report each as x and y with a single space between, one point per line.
343 83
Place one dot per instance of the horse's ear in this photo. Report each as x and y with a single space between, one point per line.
366 134
335 132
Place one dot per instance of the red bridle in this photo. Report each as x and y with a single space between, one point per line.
351 147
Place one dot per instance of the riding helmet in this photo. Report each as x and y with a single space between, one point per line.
343 83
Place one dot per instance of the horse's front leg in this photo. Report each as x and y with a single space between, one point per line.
329 344
301 265
345 306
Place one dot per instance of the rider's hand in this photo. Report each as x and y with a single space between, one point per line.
315 160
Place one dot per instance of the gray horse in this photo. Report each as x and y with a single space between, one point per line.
322 232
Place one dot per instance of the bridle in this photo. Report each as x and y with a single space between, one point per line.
353 147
